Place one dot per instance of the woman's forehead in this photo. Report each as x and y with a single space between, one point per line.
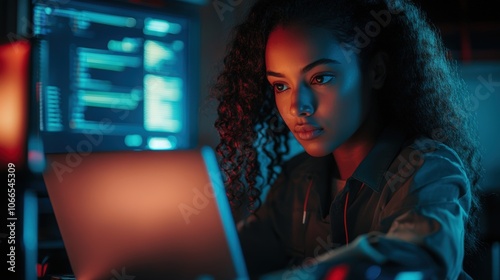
305 44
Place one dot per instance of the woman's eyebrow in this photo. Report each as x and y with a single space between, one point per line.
318 62
307 67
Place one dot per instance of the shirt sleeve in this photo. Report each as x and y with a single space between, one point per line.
431 210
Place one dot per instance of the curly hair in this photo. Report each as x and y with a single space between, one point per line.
423 94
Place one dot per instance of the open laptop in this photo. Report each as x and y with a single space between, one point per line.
144 215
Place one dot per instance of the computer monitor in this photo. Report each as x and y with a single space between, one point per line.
114 75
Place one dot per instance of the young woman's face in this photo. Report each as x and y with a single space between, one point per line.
319 88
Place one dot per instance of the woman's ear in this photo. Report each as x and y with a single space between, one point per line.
378 70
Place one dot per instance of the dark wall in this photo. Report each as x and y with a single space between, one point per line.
8 22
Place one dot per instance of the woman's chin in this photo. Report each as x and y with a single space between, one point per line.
315 150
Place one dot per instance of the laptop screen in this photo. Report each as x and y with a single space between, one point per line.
160 214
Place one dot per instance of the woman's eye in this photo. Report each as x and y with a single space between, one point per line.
279 87
322 79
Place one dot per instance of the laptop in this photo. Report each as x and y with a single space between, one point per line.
144 215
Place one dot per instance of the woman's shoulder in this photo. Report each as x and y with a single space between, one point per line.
428 149
426 161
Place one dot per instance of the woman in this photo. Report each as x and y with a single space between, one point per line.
390 168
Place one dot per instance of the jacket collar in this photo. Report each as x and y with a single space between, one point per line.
372 170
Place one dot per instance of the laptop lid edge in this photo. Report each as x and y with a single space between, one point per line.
225 212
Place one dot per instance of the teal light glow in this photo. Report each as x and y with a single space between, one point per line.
155 54
127 45
94 84
109 19
92 58
105 99
85 17
169 88
160 28
156 26
30 233
177 45
163 103
133 140
160 143
409 275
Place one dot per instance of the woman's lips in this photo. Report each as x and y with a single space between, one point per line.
307 131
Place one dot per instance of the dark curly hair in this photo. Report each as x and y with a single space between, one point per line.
423 94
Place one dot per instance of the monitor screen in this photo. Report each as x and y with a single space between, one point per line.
111 76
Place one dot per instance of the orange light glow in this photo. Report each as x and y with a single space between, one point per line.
14 59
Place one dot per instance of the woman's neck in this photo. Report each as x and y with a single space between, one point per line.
351 153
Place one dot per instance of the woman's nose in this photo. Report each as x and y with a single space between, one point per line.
303 102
